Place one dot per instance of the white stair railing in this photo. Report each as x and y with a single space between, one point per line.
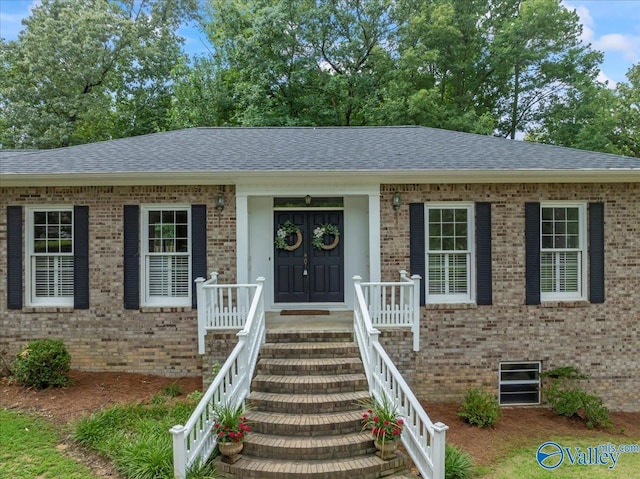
221 306
194 442
395 304
423 440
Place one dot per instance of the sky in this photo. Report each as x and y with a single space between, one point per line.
610 26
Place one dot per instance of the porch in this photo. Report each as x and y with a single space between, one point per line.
326 362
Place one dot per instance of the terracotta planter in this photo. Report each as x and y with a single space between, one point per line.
230 451
386 450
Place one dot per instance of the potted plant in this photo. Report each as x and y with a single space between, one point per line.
385 422
230 429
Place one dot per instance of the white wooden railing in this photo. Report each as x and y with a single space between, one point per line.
423 440
221 306
193 442
395 304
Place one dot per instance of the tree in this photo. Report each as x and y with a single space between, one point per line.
300 62
87 70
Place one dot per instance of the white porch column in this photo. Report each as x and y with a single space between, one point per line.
242 239
374 236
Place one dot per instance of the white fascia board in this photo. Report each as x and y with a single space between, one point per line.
310 178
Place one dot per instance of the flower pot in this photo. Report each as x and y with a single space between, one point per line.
386 450
230 451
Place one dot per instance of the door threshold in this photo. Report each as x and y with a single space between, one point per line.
279 307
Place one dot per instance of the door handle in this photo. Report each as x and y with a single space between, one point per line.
305 263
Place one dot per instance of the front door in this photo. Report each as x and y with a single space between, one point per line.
308 270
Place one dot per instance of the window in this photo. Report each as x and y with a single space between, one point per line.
449 262
562 252
49 255
519 383
166 269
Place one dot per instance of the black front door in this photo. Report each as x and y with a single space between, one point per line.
309 271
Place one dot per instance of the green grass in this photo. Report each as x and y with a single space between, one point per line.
135 437
28 450
521 463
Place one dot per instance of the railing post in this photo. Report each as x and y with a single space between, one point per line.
202 313
415 328
179 452
438 450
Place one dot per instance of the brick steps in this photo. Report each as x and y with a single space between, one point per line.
298 424
305 418
311 350
363 467
308 448
305 403
338 383
297 367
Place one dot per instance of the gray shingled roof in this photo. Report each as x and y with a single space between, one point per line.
348 149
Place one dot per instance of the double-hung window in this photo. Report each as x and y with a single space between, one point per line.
449 245
50 260
166 256
563 251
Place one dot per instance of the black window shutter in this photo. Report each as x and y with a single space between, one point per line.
14 257
484 287
532 252
417 248
198 246
131 256
596 252
81 257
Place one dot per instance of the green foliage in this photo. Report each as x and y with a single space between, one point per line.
480 408
42 363
457 463
172 390
89 70
195 396
564 372
135 437
230 425
383 419
576 402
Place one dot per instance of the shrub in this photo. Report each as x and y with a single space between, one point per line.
457 464
576 402
42 363
172 390
480 408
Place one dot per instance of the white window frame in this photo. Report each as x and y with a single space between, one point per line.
30 257
453 298
581 293
537 366
146 299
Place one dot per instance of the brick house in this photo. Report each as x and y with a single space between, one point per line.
529 254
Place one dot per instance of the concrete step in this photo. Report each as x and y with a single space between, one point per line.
338 383
309 366
361 467
308 448
301 350
322 424
306 403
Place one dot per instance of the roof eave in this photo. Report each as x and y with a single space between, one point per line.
621 175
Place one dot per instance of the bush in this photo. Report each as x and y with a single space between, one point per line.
42 363
480 408
457 464
576 402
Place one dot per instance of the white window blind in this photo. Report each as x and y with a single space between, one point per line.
49 275
449 253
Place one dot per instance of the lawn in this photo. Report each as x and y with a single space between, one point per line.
29 447
522 463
